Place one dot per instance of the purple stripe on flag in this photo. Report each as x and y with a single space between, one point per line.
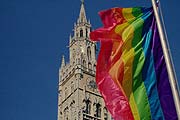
164 89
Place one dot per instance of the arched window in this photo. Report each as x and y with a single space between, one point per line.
89 52
105 113
87 109
88 106
95 49
81 33
86 32
97 110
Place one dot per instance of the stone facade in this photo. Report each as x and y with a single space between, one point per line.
78 97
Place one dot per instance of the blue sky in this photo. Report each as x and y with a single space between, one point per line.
33 36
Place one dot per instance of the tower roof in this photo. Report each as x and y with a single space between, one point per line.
82 14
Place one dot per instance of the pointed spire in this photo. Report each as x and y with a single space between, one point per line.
82 1
82 14
74 25
70 39
89 21
63 61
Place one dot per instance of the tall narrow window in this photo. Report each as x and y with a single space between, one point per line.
81 33
86 33
89 52
97 110
87 106
105 114
95 49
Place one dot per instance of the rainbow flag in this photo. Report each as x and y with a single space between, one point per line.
131 71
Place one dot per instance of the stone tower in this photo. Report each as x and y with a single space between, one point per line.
78 97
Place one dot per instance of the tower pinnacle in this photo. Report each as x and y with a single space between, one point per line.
82 1
82 14
63 61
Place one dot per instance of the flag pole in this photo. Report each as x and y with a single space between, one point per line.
169 65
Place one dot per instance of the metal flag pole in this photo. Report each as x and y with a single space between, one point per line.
169 65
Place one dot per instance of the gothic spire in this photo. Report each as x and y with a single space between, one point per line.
82 14
63 61
70 39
